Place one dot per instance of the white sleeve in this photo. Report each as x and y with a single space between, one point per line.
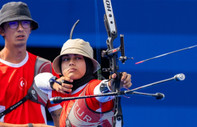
98 91
42 81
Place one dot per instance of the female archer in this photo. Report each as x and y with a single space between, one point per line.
77 65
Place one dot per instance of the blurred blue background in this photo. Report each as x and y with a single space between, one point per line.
150 28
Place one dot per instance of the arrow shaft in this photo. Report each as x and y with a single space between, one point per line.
166 54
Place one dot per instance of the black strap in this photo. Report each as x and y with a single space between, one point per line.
14 106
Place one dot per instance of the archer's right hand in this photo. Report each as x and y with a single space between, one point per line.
65 87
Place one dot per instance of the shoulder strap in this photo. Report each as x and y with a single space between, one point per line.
36 95
42 65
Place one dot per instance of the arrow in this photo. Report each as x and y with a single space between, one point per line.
190 47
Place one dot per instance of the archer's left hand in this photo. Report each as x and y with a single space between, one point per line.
125 80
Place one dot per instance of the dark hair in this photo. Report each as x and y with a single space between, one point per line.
2 27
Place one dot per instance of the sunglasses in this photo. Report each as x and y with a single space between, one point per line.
14 24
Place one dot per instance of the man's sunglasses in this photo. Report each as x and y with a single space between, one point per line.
14 24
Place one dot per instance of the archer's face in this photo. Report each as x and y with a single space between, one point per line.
73 66
16 33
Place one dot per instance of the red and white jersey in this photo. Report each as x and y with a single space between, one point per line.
15 80
86 112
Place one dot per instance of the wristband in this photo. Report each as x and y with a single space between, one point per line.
52 80
30 125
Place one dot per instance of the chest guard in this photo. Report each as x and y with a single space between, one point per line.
81 115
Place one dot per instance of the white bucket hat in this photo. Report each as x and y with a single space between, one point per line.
76 46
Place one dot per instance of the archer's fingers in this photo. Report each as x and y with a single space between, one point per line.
67 87
125 77
61 87
66 79
112 76
126 80
64 89
127 85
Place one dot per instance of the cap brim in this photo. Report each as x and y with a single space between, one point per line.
34 23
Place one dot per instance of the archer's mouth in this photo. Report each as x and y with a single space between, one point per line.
20 37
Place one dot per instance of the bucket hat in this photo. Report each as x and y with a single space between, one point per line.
76 46
13 11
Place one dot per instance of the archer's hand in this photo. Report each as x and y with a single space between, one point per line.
125 80
64 87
